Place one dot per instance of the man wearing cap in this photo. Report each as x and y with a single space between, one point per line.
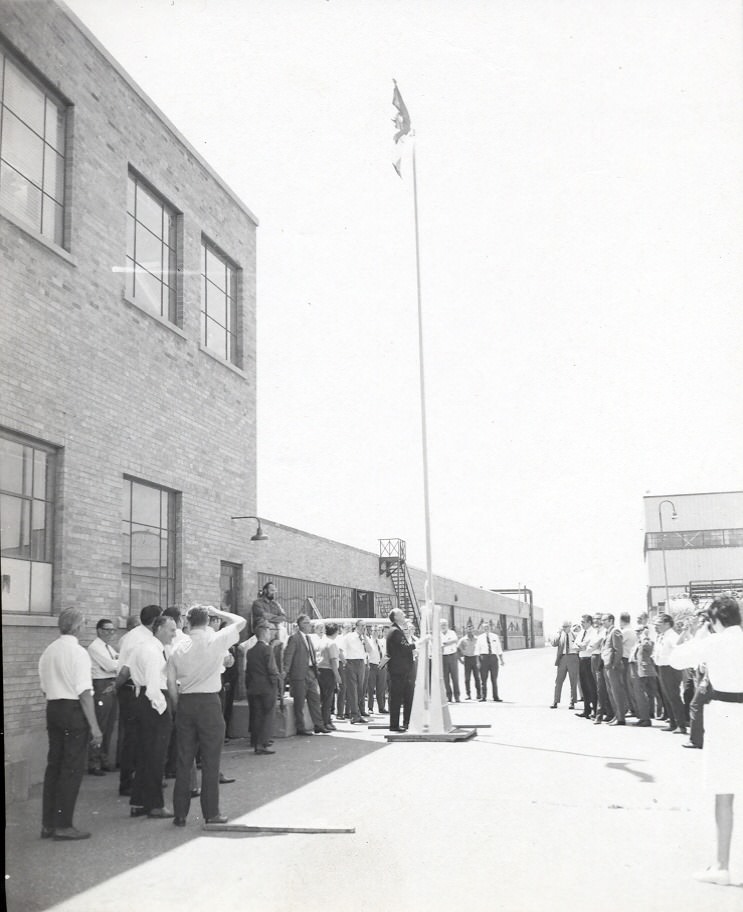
194 681
64 673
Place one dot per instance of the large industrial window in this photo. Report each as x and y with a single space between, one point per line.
27 519
148 538
151 250
32 152
219 304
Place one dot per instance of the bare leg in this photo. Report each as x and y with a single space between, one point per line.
724 821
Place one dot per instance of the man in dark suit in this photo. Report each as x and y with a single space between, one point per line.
261 683
400 669
566 662
300 666
611 654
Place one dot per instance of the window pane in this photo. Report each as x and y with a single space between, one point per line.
20 196
215 270
145 505
215 303
40 470
16 584
145 550
144 591
131 189
148 290
163 554
11 466
38 531
149 211
232 283
215 338
149 250
52 225
41 588
53 174
22 148
126 541
23 97
15 521
54 133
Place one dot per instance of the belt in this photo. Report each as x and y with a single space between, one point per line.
727 697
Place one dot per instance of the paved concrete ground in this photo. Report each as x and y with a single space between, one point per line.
544 811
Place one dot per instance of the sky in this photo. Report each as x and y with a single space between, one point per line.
580 214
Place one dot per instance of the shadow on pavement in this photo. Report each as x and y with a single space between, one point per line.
40 872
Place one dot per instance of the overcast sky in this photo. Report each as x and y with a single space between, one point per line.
580 184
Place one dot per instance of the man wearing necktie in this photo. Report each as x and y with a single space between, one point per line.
300 666
355 650
103 668
567 663
490 651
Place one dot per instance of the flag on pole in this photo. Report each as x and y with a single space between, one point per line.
401 120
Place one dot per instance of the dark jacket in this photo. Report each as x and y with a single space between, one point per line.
297 658
399 650
261 673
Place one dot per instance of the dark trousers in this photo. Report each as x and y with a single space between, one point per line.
306 690
696 713
451 675
127 735
615 685
646 695
377 687
326 680
670 685
69 734
199 726
106 706
604 709
341 705
355 688
489 665
629 691
153 732
262 708
587 685
568 666
471 670
402 687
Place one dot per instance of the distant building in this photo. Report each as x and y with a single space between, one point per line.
702 546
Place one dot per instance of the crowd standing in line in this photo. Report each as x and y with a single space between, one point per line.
684 671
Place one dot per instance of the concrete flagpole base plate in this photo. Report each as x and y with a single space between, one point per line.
459 734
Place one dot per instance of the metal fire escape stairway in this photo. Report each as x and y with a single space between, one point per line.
392 563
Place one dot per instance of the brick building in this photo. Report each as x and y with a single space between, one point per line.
127 363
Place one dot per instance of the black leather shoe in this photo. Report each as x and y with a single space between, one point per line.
69 833
617 722
481 699
572 706
642 723
224 780
553 706
219 818
137 811
668 728
264 750
179 821
302 731
685 744
48 832
497 700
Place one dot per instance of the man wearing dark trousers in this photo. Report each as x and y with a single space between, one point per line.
490 652
585 641
400 670
154 720
300 666
194 682
261 684
128 748
103 666
64 672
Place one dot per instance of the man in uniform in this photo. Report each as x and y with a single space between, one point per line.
194 682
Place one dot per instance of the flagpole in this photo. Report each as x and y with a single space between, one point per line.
424 431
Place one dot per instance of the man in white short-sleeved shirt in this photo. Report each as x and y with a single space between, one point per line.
64 673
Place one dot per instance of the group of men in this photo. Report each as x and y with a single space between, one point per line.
624 669
163 681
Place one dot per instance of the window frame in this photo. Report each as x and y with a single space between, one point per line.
49 500
59 149
228 300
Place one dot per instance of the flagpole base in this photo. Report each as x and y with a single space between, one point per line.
461 734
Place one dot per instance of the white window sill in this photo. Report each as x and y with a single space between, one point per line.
153 316
29 620
233 367
39 238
